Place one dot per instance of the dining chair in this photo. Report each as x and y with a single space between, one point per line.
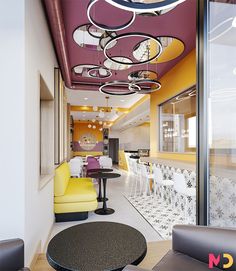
75 167
105 162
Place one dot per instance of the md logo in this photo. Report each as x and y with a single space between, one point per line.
216 260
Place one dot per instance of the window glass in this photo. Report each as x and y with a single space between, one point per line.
178 123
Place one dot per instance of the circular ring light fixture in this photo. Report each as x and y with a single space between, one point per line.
106 37
151 86
144 6
147 37
119 92
107 27
84 37
82 69
116 66
99 73
155 13
142 75
95 34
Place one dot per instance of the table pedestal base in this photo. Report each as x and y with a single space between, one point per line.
102 211
101 199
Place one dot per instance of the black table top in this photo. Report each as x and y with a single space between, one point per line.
104 175
93 170
96 246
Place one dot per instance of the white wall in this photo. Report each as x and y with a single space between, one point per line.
40 59
133 138
26 51
12 119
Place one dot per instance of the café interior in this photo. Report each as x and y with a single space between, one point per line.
129 136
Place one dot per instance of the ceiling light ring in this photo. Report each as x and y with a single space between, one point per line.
87 26
150 7
106 27
112 83
132 77
109 73
80 65
109 34
132 34
142 91
173 37
91 34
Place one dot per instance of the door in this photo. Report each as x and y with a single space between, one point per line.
114 150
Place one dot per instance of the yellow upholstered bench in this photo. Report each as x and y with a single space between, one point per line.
73 197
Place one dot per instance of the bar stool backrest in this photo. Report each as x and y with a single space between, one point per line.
179 183
157 174
143 170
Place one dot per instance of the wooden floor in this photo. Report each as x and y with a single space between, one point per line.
156 250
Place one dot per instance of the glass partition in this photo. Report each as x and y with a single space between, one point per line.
178 123
221 82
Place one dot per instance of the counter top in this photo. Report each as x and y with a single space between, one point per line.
189 165
217 168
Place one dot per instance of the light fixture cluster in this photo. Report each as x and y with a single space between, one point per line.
95 125
103 37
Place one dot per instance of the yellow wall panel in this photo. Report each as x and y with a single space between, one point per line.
179 78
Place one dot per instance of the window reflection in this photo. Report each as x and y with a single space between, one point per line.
221 80
178 123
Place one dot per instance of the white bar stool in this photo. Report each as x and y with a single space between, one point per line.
181 189
145 178
162 184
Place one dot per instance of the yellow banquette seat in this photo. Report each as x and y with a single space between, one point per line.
73 197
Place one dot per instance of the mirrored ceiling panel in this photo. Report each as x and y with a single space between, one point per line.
116 66
141 46
171 49
92 71
90 37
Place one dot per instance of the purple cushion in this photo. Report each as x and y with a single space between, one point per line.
92 163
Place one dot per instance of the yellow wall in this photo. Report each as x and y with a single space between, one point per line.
82 128
179 78
122 160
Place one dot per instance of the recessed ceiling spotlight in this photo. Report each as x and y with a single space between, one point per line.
85 98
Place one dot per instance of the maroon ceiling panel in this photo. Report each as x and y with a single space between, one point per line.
179 23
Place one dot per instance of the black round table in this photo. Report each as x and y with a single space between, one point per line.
104 176
96 170
96 246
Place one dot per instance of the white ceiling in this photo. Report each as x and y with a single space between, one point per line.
95 98
78 115
136 117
